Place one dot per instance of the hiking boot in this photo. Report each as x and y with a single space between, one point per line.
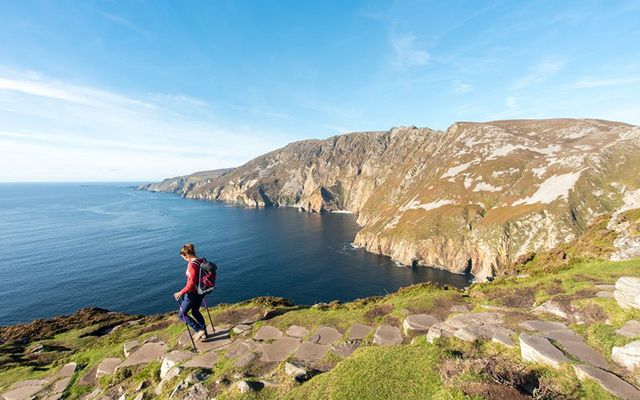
201 334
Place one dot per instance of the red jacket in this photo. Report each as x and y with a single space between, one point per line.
192 277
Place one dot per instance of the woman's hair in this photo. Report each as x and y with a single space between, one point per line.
188 250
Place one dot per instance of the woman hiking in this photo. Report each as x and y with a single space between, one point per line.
191 300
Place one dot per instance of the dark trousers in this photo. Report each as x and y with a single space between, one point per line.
191 302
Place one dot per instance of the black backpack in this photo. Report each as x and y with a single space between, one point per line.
207 274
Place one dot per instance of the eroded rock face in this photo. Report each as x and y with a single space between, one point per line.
476 196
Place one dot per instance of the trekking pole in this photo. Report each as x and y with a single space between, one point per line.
206 307
188 329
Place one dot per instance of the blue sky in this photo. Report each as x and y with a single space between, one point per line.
142 90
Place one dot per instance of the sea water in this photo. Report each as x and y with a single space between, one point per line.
65 246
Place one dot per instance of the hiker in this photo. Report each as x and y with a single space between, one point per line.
191 299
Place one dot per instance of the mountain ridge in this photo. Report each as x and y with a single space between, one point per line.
472 198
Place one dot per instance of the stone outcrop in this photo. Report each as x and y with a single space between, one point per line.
609 381
387 335
473 198
629 329
627 356
540 350
627 292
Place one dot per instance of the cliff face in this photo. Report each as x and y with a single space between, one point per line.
473 198
184 184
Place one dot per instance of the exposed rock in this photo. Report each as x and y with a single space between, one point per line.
359 331
347 348
246 360
242 328
627 292
627 356
325 335
61 385
130 346
472 327
540 350
184 184
552 307
584 353
67 370
240 348
244 387
387 179
107 366
459 309
308 351
418 323
629 329
605 295
608 288
220 339
543 326
279 350
268 332
146 353
293 370
387 335
171 360
205 361
608 381
297 331
197 392
22 392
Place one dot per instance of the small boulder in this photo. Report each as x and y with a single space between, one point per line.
627 356
171 360
130 346
244 387
627 292
293 370
552 307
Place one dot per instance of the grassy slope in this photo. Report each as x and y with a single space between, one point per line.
409 371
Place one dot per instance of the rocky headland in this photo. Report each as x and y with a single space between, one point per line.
475 198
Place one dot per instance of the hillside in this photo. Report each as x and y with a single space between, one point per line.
184 184
564 328
476 197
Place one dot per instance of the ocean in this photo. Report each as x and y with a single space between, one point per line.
65 246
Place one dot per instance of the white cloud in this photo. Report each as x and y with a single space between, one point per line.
406 53
545 69
51 130
589 82
460 87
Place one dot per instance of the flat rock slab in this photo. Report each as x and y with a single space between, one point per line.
627 292
61 385
325 335
205 361
359 331
145 354
242 328
627 356
220 339
562 335
553 308
387 335
543 326
22 393
584 353
605 295
609 288
130 346
345 349
171 360
629 329
459 309
419 323
246 360
279 350
540 350
308 351
608 381
240 348
67 370
107 366
297 331
268 332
